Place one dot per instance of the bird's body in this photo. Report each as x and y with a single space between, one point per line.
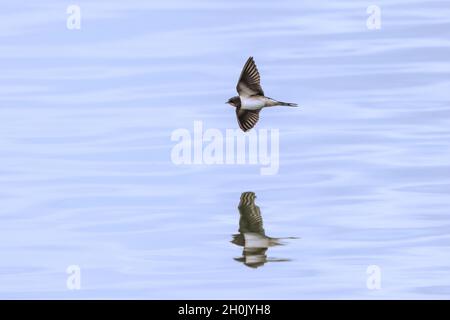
256 102
251 97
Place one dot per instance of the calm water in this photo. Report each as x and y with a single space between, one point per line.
86 176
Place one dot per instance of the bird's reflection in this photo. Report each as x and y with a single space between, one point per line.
251 234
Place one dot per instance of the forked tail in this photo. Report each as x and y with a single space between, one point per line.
288 104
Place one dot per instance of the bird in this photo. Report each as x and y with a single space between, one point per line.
251 98
252 235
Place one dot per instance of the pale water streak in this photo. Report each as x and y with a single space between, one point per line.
86 177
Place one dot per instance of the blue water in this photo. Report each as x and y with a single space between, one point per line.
86 177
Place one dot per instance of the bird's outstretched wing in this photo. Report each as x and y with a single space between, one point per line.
247 118
251 219
249 81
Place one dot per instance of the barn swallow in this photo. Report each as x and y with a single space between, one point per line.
251 98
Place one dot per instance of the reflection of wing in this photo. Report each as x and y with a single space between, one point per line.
247 118
251 220
249 81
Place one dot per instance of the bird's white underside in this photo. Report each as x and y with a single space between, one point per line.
255 103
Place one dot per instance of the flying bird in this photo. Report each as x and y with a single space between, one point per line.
251 98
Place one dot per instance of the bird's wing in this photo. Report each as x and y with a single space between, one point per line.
249 81
247 118
251 219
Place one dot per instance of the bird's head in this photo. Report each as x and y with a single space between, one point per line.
234 101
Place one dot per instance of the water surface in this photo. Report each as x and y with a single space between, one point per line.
86 176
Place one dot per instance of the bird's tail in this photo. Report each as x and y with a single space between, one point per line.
288 104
